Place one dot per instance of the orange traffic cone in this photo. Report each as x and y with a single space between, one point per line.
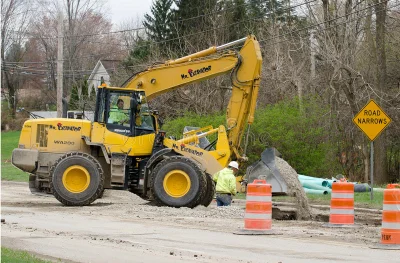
258 215
342 205
390 232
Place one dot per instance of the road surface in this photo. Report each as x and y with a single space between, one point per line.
123 228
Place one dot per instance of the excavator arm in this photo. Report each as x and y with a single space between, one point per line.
245 68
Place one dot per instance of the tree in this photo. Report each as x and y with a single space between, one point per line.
272 9
190 18
86 39
15 17
236 14
139 54
380 144
158 24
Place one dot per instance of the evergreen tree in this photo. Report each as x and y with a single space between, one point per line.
191 16
271 9
74 99
236 15
80 95
158 23
139 54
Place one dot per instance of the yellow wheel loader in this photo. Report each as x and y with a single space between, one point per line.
124 148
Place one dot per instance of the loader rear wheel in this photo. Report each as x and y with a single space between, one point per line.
210 192
178 182
76 179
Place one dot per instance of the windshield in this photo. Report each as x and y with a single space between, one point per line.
119 112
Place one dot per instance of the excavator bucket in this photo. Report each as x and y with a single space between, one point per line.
266 169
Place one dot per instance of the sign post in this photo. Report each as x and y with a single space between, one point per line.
372 120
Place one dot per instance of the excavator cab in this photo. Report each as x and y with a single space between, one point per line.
124 112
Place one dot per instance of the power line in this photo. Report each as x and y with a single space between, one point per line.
327 21
291 32
142 28
204 31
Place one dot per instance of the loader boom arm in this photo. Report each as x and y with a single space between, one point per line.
245 66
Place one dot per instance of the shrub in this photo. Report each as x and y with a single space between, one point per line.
302 137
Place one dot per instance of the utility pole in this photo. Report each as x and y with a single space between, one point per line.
60 66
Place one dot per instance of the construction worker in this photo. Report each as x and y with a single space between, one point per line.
226 184
118 114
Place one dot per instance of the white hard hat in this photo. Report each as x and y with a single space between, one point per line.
234 164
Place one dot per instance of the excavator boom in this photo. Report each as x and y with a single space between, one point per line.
246 70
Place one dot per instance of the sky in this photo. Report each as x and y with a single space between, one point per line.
127 10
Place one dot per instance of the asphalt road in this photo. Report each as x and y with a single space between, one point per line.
41 225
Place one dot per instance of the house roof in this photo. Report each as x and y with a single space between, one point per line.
103 69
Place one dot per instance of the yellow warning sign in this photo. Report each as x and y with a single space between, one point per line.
372 120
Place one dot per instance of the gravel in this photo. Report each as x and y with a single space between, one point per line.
136 206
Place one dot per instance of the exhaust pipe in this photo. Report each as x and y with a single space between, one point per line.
64 108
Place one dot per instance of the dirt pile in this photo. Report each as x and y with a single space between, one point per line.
294 189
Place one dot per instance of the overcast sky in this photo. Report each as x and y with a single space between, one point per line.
127 10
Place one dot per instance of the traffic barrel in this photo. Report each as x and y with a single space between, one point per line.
342 204
390 231
258 214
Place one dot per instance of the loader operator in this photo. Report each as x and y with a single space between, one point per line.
118 114
226 184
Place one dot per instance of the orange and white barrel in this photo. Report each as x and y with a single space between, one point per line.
342 204
390 232
258 215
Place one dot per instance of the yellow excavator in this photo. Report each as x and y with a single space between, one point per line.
124 147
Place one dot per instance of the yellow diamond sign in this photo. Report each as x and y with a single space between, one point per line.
372 120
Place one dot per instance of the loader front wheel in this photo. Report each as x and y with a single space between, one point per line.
76 179
178 182
210 192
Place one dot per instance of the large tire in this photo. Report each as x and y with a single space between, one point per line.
210 192
76 179
178 182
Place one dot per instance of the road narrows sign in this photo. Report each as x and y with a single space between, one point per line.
372 120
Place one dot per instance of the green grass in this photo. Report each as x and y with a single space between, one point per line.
9 141
361 200
18 256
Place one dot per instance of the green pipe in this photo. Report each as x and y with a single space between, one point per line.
319 181
323 182
315 186
328 183
305 177
314 191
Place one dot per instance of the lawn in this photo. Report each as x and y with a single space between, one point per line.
18 256
360 199
9 141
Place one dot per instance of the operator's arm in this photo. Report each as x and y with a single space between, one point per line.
232 185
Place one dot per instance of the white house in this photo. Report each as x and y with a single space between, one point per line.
102 69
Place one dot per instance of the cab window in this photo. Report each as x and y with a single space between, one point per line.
119 112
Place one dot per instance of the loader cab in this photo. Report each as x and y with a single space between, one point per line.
124 112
